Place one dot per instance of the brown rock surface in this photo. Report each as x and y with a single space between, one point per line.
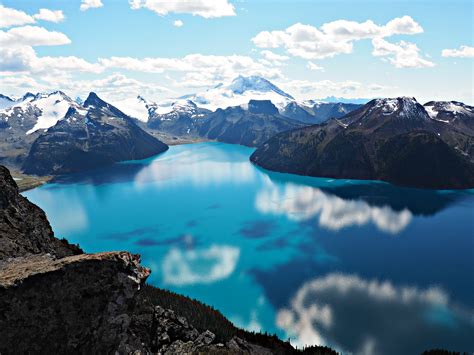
24 228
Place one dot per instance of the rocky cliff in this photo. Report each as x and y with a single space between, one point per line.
24 228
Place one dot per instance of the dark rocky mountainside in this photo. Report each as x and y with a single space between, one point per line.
394 140
249 127
24 228
90 136
182 120
54 299
318 112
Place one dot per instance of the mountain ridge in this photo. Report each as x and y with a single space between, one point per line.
394 140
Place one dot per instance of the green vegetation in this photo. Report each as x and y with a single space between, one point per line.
27 182
204 317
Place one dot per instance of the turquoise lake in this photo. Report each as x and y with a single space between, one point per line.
363 267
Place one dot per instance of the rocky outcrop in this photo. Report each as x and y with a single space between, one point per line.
87 304
24 228
77 304
165 332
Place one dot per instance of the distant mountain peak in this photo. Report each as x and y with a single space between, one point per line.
241 84
402 106
94 100
28 95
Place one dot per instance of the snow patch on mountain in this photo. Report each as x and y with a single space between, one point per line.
451 109
53 107
49 108
136 107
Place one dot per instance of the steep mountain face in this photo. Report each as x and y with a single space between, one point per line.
24 119
300 113
247 127
387 139
90 136
183 119
317 112
326 110
24 229
239 92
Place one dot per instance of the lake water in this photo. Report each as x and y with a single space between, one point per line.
363 267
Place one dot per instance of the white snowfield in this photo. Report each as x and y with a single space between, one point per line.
136 107
51 107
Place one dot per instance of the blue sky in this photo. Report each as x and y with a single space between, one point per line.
121 52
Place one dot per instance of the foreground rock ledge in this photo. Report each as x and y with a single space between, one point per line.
80 302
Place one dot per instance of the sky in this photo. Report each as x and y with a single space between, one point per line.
311 49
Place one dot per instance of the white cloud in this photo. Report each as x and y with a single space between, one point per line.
32 36
18 84
462 52
115 87
314 66
203 8
324 88
24 59
332 38
49 15
201 266
273 57
200 70
401 55
178 23
12 17
90 4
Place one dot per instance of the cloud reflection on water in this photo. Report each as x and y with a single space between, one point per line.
361 316
196 168
301 203
199 266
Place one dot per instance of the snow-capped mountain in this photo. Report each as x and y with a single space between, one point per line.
390 112
392 139
37 112
449 111
239 92
181 118
94 134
